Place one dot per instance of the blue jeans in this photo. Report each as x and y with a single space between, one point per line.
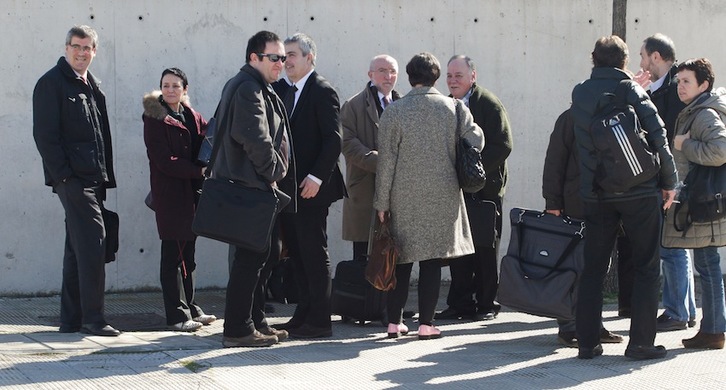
679 296
708 265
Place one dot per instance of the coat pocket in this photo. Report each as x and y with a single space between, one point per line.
83 158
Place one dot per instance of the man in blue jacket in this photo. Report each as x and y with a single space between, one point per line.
638 208
71 131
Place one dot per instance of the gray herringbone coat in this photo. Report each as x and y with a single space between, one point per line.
416 175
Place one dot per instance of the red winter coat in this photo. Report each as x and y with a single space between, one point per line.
175 176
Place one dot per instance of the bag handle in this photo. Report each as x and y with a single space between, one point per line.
574 241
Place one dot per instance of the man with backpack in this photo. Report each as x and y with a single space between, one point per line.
626 174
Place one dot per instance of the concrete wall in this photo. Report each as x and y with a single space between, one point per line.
529 53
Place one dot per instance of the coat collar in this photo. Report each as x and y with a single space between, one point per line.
423 91
608 73
154 109
68 72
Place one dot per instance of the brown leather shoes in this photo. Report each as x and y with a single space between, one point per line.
705 341
255 339
270 331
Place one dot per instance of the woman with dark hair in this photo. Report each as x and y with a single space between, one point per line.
417 188
701 140
173 133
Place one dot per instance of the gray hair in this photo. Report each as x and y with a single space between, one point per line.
307 45
82 32
467 59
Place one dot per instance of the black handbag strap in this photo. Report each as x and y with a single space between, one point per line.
574 241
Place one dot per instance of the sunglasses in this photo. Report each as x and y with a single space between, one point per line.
272 57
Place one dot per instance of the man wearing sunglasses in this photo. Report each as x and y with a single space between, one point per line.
251 118
314 111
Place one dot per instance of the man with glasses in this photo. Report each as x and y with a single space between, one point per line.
314 111
251 116
71 131
360 116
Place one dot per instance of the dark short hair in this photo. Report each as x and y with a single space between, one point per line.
661 44
82 32
176 72
610 52
257 43
702 68
423 69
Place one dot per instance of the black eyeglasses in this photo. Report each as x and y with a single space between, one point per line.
272 57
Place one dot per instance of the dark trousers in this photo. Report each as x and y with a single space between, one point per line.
307 242
641 219
360 248
84 273
626 272
177 280
244 277
260 296
476 275
429 282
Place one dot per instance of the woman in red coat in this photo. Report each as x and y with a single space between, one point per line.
173 133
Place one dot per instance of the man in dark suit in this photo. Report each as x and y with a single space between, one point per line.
314 111
71 130
658 77
476 276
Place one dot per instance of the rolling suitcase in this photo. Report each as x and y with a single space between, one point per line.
353 297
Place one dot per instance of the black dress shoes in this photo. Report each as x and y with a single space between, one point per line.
589 353
100 330
452 314
306 331
642 352
666 324
486 315
69 328
288 326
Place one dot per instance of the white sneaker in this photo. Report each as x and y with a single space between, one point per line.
205 319
187 326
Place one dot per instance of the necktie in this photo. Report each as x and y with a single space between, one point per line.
290 100
386 102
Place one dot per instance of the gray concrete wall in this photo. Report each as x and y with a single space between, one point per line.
529 53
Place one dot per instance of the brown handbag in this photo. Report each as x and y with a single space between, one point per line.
381 267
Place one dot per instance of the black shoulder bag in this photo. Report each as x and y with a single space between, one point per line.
232 213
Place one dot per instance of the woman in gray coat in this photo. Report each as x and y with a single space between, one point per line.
416 185
701 140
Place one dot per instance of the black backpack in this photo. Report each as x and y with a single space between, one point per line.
624 158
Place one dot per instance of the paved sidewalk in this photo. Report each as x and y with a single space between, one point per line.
514 351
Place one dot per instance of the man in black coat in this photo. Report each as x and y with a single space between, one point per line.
71 130
657 61
314 111
252 118
476 276
638 208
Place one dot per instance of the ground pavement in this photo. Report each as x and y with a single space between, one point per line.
514 351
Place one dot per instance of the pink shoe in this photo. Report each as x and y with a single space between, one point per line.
427 332
396 330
